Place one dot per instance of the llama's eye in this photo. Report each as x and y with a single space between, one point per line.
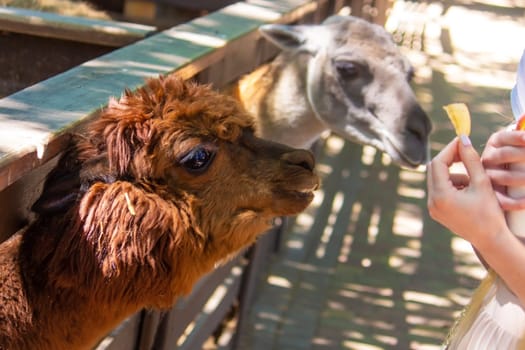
347 69
198 159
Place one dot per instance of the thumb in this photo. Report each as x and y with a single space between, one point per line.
470 158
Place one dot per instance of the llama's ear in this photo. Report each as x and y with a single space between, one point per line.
336 19
286 37
308 38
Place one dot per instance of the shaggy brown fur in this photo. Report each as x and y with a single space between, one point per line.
166 183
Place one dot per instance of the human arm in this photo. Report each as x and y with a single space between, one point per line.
469 207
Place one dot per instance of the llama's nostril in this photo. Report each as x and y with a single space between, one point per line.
302 158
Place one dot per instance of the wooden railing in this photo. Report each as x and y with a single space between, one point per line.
35 123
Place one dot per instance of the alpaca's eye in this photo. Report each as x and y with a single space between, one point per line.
347 69
198 159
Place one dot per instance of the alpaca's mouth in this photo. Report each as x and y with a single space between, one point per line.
302 195
306 194
306 190
294 197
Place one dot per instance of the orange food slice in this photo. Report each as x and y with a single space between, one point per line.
521 123
460 117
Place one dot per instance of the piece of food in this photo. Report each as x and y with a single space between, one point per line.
460 117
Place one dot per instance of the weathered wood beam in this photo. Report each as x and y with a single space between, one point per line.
79 29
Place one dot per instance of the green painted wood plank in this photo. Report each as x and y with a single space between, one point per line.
31 118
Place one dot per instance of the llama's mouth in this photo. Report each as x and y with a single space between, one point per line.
401 157
392 145
378 136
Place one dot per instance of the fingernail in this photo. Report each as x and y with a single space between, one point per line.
465 140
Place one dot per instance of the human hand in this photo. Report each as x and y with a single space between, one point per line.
465 204
503 148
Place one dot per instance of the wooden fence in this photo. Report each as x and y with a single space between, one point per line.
217 48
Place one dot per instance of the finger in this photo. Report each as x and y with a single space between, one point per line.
438 171
504 147
507 138
459 180
508 203
499 157
472 161
506 177
448 154
500 189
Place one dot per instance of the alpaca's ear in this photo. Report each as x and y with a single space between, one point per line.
66 183
61 187
59 193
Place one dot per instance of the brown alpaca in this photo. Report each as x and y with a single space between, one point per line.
168 181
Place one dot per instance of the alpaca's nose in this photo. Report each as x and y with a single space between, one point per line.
302 158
